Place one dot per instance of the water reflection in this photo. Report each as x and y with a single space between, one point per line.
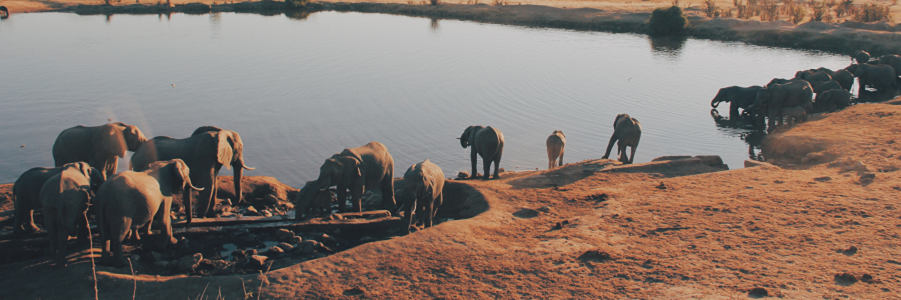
753 139
434 24
748 130
109 18
297 15
668 46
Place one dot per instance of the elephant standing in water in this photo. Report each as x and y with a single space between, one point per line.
65 198
881 77
4 13
794 114
626 133
356 169
555 144
100 146
488 143
131 200
813 75
423 187
27 190
204 152
860 56
771 99
738 97
892 60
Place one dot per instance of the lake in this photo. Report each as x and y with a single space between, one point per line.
301 89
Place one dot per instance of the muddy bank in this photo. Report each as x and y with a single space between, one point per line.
876 38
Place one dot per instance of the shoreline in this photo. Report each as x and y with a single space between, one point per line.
844 38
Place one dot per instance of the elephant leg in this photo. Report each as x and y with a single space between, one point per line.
213 194
436 204
613 139
621 150
167 223
560 160
388 194
408 215
427 213
551 162
118 259
771 122
497 162
486 165
206 181
474 157
62 237
52 226
342 199
632 157
733 110
82 229
356 197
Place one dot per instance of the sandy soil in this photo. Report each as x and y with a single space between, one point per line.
799 231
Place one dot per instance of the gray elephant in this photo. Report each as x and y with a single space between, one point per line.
880 76
311 201
423 187
844 78
822 86
204 152
131 200
771 99
487 142
813 75
626 133
832 100
860 56
776 81
555 144
892 60
356 169
27 189
65 198
794 114
738 97
100 146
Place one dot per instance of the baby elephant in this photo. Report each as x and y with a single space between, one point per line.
555 143
794 114
27 189
423 185
626 133
833 100
310 200
131 200
64 198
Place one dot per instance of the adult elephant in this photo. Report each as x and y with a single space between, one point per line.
358 168
27 190
822 86
626 133
64 198
860 56
487 142
100 146
738 97
771 99
204 152
131 200
879 76
832 100
844 78
555 144
423 190
813 75
892 60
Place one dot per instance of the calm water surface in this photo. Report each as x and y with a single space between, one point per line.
300 90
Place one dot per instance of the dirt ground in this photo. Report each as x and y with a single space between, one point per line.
807 226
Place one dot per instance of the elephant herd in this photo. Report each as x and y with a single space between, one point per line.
126 204
794 98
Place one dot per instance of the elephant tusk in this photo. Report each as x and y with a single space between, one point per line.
323 190
247 168
196 188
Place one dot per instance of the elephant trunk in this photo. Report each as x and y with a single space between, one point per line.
239 172
714 103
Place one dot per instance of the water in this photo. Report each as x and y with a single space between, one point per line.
300 90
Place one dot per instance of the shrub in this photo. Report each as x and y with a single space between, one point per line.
497 2
844 8
797 13
709 8
872 13
769 11
296 4
666 21
726 13
819 11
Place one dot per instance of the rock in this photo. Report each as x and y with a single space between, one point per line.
845 278
214 267
335 217
366 239
307 247
545 209
162 264
758 292
671 157
190 262
252 210
526 213
823 179
239 232
850 251
226 214
327 239
294 240
255 262
285 247
749 163
270 199
596 255
275 251
712 160
501 170
247 238
462 175
867 278
265 213
155 256
867 176
354 291
284 234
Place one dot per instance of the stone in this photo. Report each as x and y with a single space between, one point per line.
256 262
327 239
711 160
749 163
501 170
366 239
239 232
546 209
162 264
307 247
251 209
190 262
275 251
284 234
155 256
526 213
671 157
758 292
265 213
867 176
270 199
462 175
294 240
285 246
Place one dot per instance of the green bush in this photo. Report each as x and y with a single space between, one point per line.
667 21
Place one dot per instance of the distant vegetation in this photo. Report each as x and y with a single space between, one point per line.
796 11
667 21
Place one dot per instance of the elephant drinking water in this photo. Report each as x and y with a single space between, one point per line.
355 169
486 142
771 99
737 97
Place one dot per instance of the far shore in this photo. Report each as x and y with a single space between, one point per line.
841 38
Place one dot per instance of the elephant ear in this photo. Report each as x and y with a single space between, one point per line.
112 141
225 152
468 135
351 166
619 116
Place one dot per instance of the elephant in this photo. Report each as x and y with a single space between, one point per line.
310 200
860 56
131 200
892 60
27 189
4 12
555 144
844 78
813 75
832 100
794 114
423 187
204 152
738 97
771 99
64 198
99 146
626 133
880 76
776 81
487 142
358 168
822 86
